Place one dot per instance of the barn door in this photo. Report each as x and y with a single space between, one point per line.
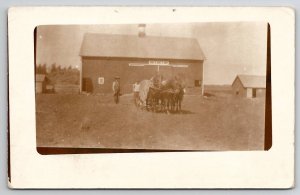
254 93
87 85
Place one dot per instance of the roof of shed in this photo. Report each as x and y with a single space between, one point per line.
252 81
133 46
40 77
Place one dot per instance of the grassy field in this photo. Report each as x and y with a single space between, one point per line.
214 122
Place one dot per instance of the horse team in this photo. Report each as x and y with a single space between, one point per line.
165 97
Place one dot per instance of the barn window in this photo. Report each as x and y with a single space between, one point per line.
197 83
101 80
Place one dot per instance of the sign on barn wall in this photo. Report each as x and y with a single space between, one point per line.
159 63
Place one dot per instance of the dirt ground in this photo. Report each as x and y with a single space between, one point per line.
214 122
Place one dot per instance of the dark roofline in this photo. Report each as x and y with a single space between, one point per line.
139 58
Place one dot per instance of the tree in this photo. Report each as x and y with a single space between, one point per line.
44 69
64 69
53 68
38 69
58 68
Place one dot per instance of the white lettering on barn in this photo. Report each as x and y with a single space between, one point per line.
159 62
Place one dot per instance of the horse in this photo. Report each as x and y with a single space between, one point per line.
167 97
178 87
153 98
143 93
172 93
179 93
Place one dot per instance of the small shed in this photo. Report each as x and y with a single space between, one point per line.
40 83
249 86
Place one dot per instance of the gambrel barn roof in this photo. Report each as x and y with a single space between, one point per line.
133 46
252 81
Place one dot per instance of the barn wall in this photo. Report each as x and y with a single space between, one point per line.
238 89
249 92
261 93
108 68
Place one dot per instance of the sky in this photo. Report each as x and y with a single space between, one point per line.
230 48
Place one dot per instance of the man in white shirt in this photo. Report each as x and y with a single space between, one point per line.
136 91
116 89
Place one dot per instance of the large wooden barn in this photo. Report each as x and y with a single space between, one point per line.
249 86
135 58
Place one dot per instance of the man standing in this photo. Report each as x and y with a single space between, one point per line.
116 89
136 91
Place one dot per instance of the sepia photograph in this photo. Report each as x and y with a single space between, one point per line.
165 98
152 87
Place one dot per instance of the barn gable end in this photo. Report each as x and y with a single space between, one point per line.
238 88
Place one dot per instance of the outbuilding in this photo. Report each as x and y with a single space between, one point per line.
249 86
40 83
137 57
